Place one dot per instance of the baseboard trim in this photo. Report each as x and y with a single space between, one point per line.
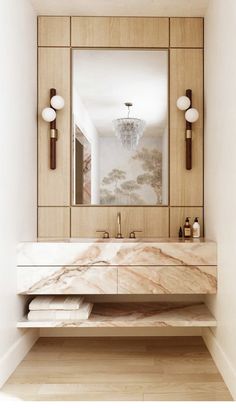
16 353
221 360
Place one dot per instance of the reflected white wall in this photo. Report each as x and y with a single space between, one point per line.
85 124
165 167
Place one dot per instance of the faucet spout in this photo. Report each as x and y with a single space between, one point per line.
119 234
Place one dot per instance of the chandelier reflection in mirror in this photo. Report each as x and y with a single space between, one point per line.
129 130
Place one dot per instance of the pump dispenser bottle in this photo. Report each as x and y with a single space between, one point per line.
187 228
196 228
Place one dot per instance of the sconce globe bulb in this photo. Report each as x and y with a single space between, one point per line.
192 115
48 114
57 102
183 103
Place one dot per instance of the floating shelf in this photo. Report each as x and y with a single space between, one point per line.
137 315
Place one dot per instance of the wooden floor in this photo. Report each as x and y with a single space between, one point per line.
166 368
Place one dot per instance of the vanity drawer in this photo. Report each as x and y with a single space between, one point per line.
167 279
67 280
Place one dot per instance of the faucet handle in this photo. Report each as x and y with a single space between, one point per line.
105 234
132 233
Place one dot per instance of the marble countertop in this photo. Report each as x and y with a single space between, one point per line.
120 241
117 252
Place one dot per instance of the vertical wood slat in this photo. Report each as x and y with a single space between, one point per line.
54 72
186 72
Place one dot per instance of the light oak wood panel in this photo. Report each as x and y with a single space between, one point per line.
167 280
119 32
54 72
117 369
186 186
186 32
186 71
53 222
54 31
178 215
153 221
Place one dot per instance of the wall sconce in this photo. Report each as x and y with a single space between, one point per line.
49 115
184 103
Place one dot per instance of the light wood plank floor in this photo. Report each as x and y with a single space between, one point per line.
166 368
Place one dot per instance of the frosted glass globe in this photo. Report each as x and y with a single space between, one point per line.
183 102
57 102
192 115
48 114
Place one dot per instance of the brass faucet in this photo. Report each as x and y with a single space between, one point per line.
119 234
105 234
133 233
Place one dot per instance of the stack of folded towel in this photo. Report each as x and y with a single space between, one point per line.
66 308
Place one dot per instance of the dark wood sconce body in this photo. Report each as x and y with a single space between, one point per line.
53 137
188 136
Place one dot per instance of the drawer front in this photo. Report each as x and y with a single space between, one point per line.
67 280
167 280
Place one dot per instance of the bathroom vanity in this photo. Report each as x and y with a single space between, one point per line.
147 181
122 267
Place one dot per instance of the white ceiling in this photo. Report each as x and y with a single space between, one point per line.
106 79
171 8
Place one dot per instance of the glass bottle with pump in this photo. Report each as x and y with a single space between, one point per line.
196 228
187 228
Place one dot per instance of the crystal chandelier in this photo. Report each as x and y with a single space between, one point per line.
129 130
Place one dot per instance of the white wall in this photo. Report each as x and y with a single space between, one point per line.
85 124
220 175
18 165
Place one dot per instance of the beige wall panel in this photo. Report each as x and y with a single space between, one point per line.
54 72
153 221
119 32
186 186
186 71
53 222
178 215
54 31
186 32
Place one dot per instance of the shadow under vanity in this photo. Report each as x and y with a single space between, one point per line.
122 267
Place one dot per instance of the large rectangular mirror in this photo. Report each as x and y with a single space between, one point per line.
120 127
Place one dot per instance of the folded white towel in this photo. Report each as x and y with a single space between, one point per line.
56 303
82 313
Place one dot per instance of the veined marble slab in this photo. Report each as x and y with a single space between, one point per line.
118 252
67 280
81 280
138 315
167 279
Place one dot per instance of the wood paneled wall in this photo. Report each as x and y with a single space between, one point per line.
56 38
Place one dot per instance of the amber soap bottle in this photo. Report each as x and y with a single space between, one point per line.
187 228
